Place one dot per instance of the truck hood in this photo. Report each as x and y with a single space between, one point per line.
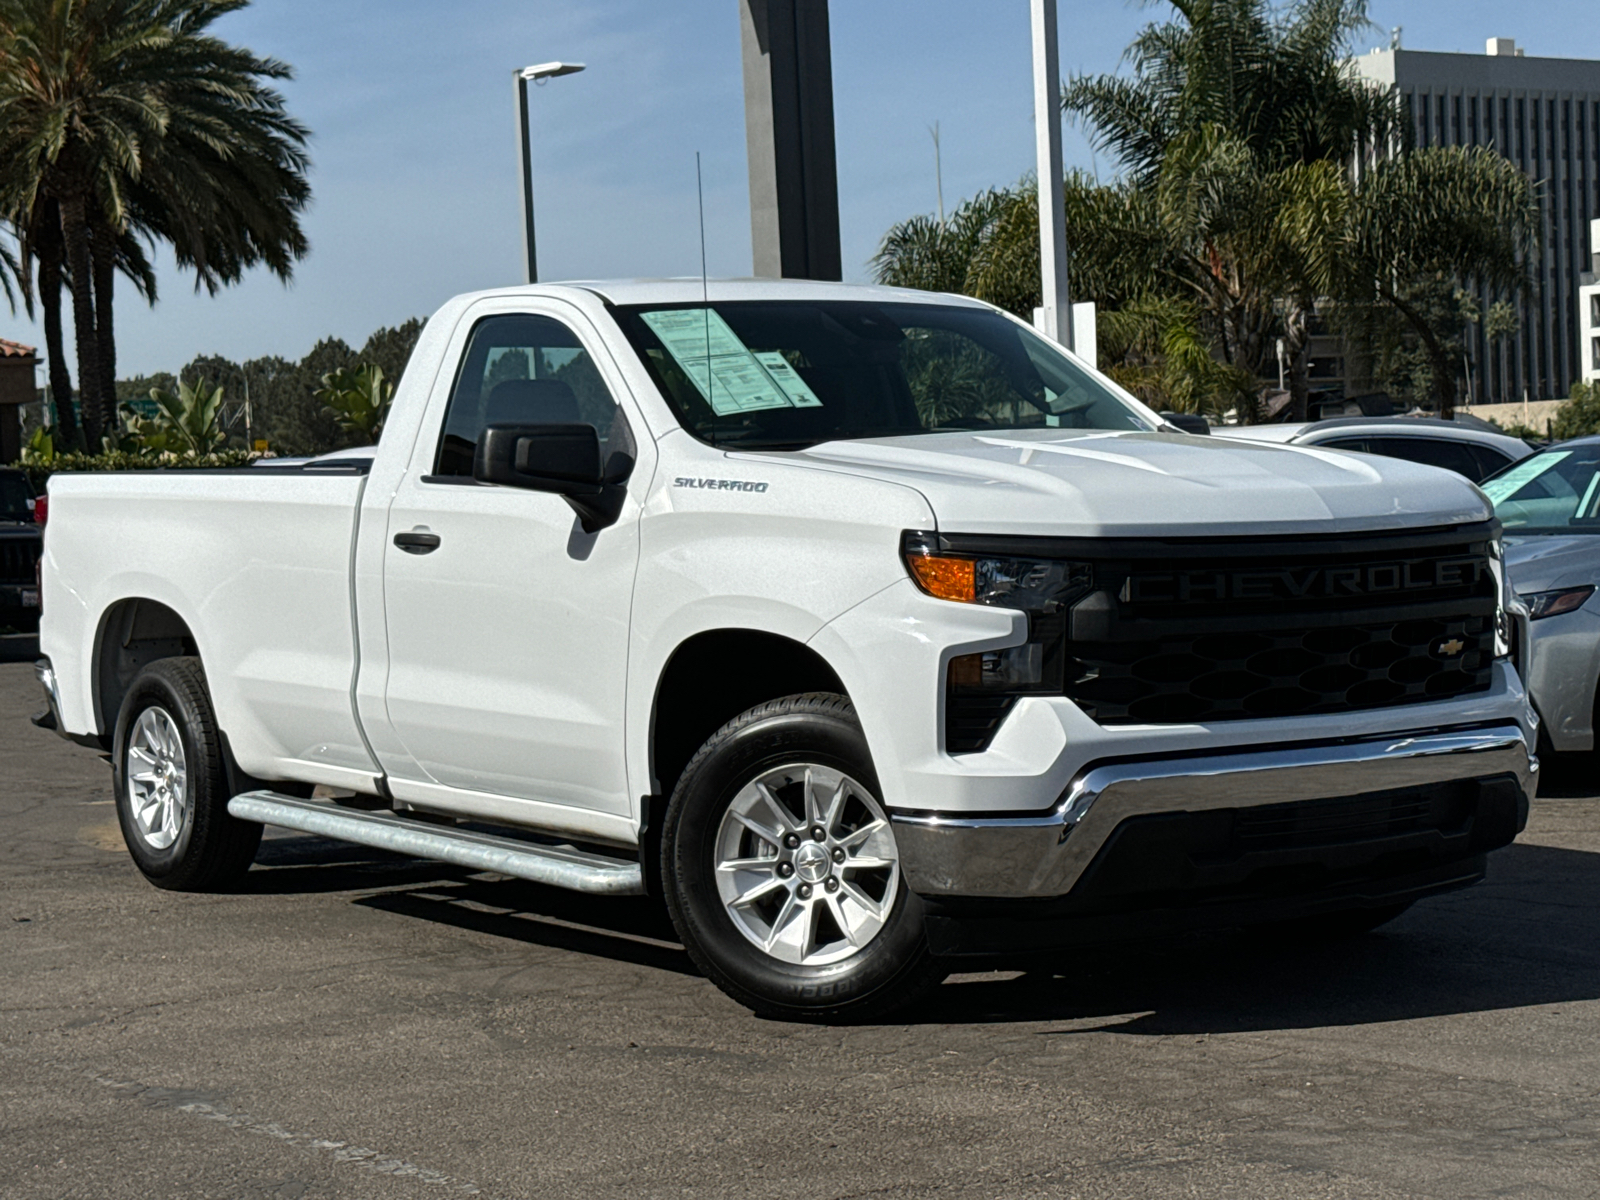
1097 483
1546 562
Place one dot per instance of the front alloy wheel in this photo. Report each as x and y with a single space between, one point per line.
806 864
780 870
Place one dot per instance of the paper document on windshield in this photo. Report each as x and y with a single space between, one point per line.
1503 487
729 376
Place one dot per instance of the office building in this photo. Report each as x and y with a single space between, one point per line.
1544 115
1589 310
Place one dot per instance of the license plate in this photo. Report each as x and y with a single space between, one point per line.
30 598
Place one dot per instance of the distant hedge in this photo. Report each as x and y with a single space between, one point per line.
118 460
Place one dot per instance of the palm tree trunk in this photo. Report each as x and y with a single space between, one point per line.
1444 369
67 432
1296 326
75 230
103 251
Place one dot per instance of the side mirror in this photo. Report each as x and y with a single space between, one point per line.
1187 422
564 459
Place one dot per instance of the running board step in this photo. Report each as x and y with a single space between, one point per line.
557 866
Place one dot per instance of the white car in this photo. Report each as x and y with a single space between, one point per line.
868 628
1454 445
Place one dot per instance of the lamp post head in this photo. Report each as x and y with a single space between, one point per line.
542 71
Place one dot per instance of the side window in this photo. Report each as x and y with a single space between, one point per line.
1432 452
520 369
1349 443
1489 461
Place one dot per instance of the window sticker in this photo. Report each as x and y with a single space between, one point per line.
787 378
736 381
1524 473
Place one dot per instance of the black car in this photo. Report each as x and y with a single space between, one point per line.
20 546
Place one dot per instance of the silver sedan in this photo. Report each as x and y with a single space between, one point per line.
1549 504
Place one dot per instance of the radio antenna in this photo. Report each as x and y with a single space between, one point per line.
705 287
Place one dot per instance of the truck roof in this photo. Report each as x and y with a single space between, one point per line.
689 289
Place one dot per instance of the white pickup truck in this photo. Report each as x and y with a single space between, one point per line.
868 628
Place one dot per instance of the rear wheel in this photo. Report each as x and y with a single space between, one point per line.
171 783
781 873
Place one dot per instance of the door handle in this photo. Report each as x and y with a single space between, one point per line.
417 542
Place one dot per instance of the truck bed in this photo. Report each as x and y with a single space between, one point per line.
262 557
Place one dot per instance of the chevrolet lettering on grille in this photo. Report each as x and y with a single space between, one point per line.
1365 579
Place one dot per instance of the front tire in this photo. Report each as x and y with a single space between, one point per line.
171 783
781 873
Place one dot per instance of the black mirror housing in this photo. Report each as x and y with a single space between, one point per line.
564 459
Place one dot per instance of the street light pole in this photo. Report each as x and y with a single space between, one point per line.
538 73
1056 312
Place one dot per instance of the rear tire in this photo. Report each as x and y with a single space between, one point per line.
172 783
780 871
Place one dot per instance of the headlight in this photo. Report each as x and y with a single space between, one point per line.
1553 604
1031 584
1504 625
982 687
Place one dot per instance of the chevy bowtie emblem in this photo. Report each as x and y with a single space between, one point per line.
1450 647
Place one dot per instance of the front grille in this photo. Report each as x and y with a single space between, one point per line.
1201 630
1226 631
1209 675
17 559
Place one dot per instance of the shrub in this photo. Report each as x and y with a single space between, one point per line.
1579 415
40 469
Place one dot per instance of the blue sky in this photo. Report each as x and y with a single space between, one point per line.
414 167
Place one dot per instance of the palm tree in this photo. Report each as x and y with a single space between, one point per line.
133 120
1236 117
1427 222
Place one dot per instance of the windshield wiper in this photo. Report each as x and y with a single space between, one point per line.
755 443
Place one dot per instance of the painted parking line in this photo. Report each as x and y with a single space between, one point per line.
192 1103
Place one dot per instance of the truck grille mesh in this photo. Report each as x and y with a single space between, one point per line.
1264 629
17 558
1212 676
1200 630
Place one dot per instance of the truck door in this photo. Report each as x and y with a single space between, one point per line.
507 625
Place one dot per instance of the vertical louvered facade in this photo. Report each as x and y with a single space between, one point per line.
1544 115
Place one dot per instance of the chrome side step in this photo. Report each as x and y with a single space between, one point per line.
557 866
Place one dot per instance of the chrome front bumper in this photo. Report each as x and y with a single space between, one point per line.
1043 855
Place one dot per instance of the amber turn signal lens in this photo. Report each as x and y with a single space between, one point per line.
945 578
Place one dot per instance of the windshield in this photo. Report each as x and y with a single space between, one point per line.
785 374
1553 491
16 498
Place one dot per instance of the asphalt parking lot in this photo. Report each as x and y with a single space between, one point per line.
358 1025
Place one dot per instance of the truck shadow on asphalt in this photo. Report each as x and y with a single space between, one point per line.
625 928
1524 937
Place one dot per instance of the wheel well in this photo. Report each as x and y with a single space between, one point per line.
715 676
133 634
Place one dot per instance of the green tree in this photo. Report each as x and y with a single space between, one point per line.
1231 112
1420 227
390 348
135 121
186 422
359 401
1580 415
